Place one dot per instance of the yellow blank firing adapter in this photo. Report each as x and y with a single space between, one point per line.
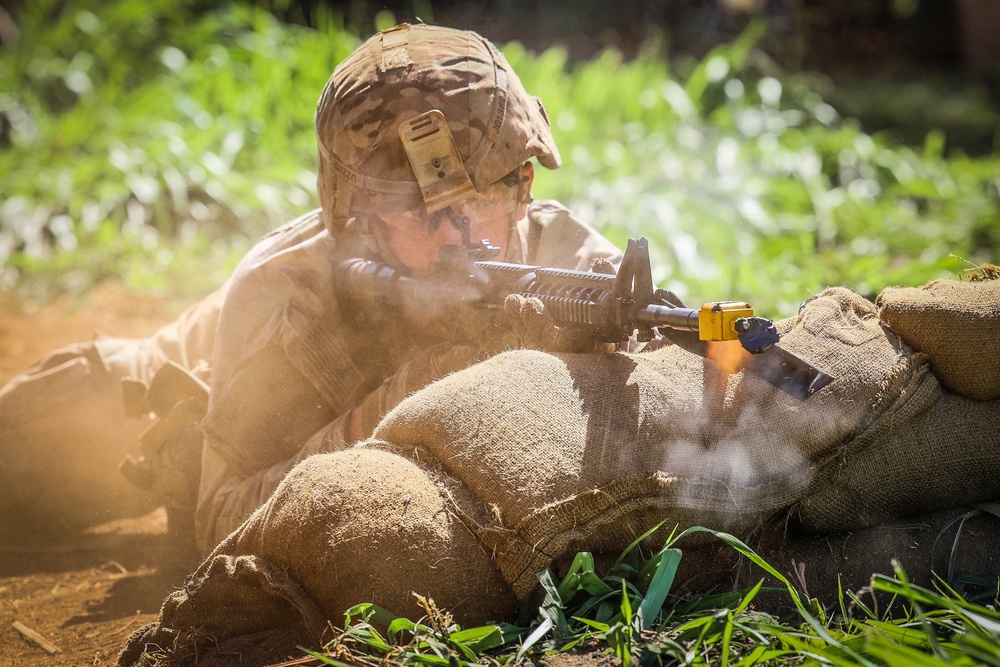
435 160
720 320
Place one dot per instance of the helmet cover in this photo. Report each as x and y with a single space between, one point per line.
404 72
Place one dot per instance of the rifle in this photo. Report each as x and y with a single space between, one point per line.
611 307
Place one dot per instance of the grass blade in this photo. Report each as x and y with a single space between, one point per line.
659 587
536 635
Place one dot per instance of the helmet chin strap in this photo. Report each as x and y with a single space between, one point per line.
461 223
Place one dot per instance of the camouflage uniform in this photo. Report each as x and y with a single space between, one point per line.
63 430
289 365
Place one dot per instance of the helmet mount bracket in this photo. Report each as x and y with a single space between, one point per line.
435 160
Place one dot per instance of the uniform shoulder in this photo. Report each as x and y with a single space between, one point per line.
294 232
556 237
548 211
291 262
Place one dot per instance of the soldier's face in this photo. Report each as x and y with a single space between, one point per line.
414 239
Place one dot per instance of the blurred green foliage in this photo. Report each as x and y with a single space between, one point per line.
750 186
140 140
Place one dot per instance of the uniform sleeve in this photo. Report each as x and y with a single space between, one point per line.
227 495
263 404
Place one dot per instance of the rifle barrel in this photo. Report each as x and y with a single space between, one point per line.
613 307
679 319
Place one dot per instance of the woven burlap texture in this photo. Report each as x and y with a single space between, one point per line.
234 610
476 483
583 449
957 324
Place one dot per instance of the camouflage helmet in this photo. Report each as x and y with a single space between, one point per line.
408 77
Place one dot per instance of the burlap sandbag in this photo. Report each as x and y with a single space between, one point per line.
585 450
957 324
348 527
476 483
366 525
945 455
234 611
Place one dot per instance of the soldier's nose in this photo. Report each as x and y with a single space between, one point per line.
447 234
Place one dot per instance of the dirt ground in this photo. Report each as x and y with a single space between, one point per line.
83 595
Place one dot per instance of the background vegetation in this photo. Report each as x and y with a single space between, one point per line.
145 142
148 142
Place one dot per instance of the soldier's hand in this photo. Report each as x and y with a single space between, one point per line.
534 328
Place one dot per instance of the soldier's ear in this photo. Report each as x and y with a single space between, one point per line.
525 182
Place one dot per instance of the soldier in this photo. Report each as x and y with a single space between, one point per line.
426 137
294 374
465 490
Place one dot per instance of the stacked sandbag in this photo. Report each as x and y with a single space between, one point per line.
473 485
367 525
588 452
359 525
957 324
932 452
945 455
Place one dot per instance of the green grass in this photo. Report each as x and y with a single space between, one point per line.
626 614
142 142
